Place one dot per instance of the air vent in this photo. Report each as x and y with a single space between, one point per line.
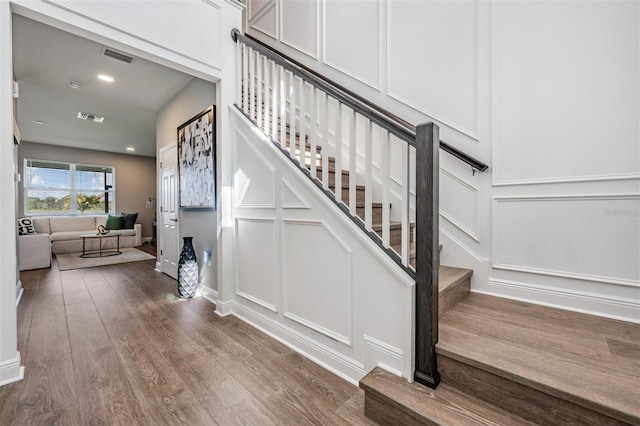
89 116
117 55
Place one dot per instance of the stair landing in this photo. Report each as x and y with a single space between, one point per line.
570 368
507 362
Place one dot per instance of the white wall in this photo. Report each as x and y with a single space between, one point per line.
546 93
196 96
132 27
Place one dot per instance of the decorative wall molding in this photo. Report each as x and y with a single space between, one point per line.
585 302
450 216
573 179
497 200
291 43
254 266
290 199
371 84
437 118
344 279
240 189
260 15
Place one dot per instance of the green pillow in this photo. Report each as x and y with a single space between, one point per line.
114 222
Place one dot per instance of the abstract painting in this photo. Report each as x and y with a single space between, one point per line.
197 161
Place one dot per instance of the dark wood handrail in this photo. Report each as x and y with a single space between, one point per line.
394 124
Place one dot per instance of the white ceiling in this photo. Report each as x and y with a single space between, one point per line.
46 59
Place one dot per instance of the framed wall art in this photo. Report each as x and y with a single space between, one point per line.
197 161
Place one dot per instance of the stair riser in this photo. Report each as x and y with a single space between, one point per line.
395 236
528 403
452 295
376 214
384 415
332 177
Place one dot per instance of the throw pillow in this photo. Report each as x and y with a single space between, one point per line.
25 226
114 222
128 220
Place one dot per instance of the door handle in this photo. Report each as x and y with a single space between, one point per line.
174 220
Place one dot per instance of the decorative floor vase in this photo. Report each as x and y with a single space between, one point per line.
187 270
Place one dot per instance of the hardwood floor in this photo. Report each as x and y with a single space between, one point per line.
115 345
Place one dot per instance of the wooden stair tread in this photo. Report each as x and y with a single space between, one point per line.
392 225
418 404
524 350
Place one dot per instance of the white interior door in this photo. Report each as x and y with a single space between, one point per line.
170 236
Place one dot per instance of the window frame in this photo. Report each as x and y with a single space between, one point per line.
110 193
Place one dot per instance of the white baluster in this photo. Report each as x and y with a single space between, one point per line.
292 117
245 78
252 85
302 120
274 101
283 108
325 140
386 160
259 89
238 74
352 163
406 179
313 132
368 182
338 153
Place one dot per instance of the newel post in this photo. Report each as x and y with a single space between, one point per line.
427 254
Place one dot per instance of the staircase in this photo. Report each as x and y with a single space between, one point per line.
504 362
501 362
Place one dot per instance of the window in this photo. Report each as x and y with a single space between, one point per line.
67 188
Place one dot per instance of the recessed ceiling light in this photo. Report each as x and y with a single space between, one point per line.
74 85
105 77
130 148
39 122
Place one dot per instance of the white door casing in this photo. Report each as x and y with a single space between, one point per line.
170 236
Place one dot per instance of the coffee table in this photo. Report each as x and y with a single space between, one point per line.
101 252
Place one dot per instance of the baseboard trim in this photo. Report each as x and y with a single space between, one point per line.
11 370
208 293
349 369
158 267
583 302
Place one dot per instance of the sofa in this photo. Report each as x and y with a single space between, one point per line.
61 234
65 233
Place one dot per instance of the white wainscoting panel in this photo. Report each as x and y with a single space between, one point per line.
459 203
290 199
317 279
585 237
566 101
202 18
432 60
254 179
351 42
316 282
263 16
256 261
299 25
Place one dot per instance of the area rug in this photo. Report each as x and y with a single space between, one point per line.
74 261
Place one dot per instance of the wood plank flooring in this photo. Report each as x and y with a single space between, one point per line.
115 345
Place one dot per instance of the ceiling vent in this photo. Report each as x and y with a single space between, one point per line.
89 116
117 55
